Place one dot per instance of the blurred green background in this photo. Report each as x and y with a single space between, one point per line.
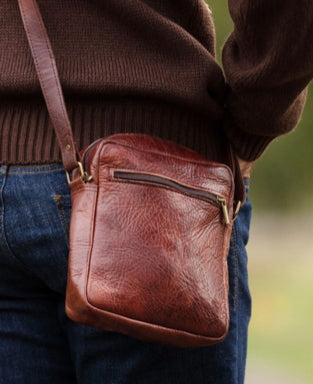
280 249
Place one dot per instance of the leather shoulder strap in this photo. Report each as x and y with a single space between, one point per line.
49 80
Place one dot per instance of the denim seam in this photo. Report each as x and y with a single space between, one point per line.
36 172
234 249
61 210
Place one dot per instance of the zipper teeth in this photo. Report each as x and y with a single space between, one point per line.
162 181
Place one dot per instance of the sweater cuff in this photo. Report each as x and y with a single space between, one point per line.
247 146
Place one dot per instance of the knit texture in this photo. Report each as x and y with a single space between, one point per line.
148 66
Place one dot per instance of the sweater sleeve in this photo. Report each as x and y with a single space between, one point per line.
268 63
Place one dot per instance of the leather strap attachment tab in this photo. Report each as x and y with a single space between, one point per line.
231 160
49 80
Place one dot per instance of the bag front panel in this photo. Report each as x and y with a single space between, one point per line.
159 256
152 251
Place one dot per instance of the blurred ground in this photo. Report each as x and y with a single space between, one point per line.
281 282
257 374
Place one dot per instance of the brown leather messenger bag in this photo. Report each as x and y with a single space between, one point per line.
150 225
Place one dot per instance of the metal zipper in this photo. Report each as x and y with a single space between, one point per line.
175 185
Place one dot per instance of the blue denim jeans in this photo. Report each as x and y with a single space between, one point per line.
40 345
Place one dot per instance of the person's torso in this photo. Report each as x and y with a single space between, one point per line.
161 52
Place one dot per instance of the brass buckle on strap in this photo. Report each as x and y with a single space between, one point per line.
83 174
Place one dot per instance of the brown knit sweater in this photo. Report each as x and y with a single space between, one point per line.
149 66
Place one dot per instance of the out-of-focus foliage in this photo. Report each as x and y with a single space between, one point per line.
282 179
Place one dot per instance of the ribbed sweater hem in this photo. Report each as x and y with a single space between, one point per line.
27 135
248 146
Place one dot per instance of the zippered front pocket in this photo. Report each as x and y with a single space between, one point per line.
165 182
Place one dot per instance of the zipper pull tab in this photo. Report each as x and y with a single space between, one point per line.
222 203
